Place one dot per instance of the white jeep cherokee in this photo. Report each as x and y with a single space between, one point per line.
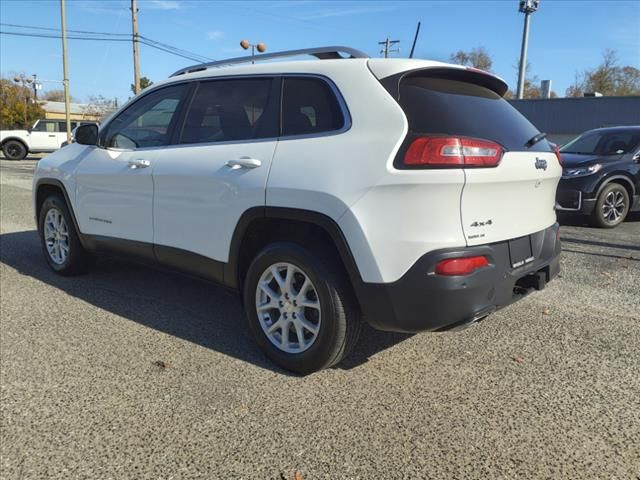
407 193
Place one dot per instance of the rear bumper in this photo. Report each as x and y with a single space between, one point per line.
421 300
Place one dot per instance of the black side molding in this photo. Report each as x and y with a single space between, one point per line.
58 184
294 214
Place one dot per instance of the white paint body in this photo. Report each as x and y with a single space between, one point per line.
188 198
34 140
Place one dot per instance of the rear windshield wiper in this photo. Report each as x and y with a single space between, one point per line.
535 139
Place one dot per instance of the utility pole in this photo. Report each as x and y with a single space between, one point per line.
65 71
386 50
527 7
136 65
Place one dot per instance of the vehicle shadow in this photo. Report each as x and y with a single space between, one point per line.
179 305
569 220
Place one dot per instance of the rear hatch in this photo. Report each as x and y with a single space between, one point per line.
458 119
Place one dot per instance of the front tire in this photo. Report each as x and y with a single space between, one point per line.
14 150
300 307
612 206
60 242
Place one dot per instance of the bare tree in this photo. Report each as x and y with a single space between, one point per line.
476 58
532 87
56 96
98 106
607 78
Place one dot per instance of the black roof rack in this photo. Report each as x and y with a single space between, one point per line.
323 53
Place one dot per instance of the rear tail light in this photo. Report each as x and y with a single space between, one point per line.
461 266
556 150
452 152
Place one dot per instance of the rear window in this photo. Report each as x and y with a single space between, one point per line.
309 106
445 106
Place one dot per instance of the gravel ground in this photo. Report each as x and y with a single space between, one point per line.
130 372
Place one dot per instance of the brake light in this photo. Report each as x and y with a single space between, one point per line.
556 150
452 152
461 266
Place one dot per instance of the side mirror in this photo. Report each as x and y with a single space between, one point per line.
86 134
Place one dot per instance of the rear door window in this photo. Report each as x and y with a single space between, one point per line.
309 106
62 126
232 110
444 106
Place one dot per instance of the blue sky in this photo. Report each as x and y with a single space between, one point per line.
566 36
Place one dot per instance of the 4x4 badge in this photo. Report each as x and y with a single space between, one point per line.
541 164
482 224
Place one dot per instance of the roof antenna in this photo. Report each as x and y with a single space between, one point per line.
415 39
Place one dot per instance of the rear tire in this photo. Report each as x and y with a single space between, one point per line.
60 242
300 307
14 150
612 206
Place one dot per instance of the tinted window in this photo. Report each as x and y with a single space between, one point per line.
62 126
146 123
604 143
309 106
45 127
226 110
454 107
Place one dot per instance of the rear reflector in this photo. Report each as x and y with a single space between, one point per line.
461 266
452 152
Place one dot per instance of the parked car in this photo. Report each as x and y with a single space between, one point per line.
601 175
407 193
45 136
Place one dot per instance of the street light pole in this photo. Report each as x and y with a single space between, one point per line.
65 71
261 47
527 7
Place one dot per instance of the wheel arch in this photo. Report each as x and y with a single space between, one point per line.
621 179
49 186
261 225
17 139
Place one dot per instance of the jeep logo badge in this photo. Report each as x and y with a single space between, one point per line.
541 164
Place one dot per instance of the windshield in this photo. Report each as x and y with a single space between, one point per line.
604 143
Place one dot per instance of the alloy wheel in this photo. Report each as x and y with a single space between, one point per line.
288 307
613 206
56 236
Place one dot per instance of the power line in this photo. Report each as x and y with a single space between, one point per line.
126 37
46 35
145 41
32 27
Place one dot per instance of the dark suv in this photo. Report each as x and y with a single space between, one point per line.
601 175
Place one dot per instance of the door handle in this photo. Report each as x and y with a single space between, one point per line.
52 136
244 162
139 163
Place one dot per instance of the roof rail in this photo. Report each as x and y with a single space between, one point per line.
323 53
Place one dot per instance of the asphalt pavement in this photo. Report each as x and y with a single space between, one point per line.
132 372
